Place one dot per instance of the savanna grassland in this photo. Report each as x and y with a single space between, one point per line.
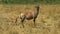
47 22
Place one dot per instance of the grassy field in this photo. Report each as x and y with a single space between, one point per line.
48 21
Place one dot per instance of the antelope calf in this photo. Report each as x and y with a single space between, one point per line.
13 20
30 15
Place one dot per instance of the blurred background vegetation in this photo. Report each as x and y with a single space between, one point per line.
29 1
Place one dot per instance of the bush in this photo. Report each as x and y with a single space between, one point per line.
30 1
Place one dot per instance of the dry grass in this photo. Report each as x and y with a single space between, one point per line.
48 21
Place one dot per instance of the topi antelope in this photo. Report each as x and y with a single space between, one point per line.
30 15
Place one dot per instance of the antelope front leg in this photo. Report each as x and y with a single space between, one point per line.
22 21
23 24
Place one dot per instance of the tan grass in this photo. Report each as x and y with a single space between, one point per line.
48 20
